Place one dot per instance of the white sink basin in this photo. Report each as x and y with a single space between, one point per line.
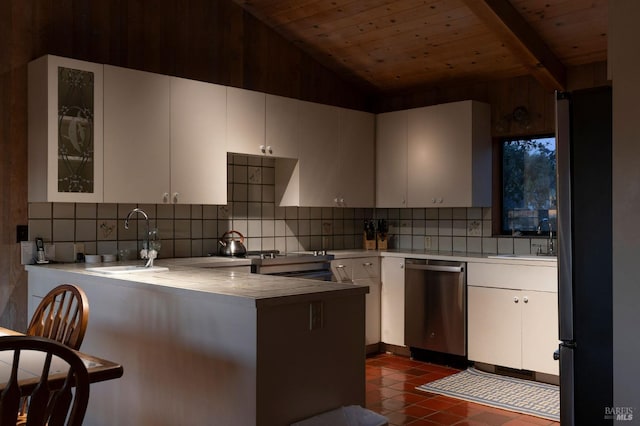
126 269
524 257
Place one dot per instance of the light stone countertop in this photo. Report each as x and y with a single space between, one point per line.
446 255
198 275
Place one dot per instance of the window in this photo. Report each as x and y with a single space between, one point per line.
528 185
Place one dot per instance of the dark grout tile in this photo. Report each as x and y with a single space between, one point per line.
390 391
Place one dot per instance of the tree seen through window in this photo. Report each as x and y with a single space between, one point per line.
528 184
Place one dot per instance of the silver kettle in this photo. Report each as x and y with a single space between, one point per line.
229 246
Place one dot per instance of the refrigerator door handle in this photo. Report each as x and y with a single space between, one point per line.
565 237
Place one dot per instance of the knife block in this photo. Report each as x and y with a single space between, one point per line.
368 244
381 240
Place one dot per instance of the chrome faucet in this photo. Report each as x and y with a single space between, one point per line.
146 252
550 249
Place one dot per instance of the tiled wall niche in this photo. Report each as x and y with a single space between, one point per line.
193 230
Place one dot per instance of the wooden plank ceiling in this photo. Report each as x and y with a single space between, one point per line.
395 45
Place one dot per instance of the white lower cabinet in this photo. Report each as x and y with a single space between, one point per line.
363 271
516 328
392 301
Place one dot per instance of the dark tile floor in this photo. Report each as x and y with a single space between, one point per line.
391 382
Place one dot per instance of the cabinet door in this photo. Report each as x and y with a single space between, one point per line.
494 326
137 131
356 159
282 132
198 147
391 159
319 146
65 118
539 331
245 121
372 309
449 148
392 301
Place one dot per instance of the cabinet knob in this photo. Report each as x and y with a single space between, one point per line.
525 299
404 201
367 264
165 197
263 149
269 150
402 266
175 197
516 300
340 266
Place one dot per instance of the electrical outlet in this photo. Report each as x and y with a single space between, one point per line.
427 243
315 315
27 252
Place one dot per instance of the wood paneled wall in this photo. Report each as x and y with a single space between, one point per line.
504 96
207 40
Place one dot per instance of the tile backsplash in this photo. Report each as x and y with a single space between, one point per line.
193 230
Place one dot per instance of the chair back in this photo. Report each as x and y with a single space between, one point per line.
45 371
62 316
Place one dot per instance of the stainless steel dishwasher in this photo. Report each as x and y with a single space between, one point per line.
436 306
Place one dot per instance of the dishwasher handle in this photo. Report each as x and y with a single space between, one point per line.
437 268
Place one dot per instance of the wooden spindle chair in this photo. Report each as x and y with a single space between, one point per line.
57 396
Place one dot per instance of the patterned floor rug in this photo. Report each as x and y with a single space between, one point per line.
507 393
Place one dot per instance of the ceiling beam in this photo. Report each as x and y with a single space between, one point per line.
504 20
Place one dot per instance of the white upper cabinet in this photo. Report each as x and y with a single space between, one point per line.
246 111
356 178
65 120
137 112
391 159
435 156
164 139
319 154
198 148
336 160
282 127
449 162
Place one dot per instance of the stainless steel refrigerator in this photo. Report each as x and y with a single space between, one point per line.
584 163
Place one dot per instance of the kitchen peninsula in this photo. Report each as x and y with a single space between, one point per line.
201 345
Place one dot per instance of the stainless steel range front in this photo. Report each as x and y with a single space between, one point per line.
316 265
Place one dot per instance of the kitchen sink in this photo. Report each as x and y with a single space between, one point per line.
525 257
126 269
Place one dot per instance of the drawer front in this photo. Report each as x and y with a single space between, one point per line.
519 277
366 267
342 270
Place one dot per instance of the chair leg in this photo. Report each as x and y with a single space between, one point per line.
22 415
